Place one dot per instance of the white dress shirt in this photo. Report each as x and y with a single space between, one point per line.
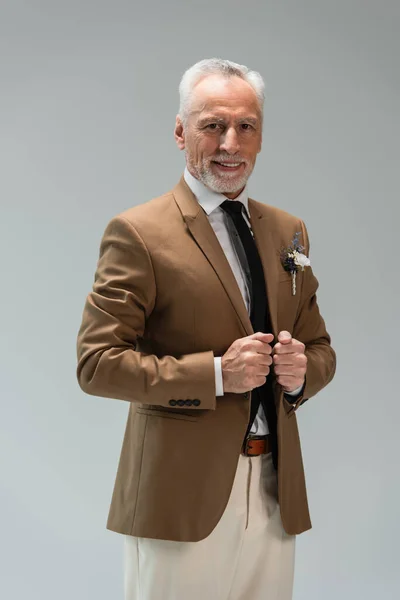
210 202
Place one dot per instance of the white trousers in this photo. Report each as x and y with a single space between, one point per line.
248 555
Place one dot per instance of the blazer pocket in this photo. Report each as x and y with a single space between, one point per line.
166 414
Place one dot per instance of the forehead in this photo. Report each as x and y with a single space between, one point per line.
224 96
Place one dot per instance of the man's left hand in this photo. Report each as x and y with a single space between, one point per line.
290 362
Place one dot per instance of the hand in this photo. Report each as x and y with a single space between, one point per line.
246 363
290 362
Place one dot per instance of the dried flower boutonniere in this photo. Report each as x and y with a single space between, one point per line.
292 258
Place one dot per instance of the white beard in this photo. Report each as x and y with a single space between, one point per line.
223 184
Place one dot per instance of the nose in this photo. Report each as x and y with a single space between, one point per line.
229 141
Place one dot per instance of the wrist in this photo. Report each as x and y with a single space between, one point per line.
296 391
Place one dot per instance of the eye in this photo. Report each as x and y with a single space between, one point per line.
213 126
246 126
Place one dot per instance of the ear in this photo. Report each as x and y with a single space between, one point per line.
260 144
179 133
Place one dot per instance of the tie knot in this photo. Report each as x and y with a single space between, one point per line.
232 206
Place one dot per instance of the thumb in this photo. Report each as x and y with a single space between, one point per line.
284 337
263 337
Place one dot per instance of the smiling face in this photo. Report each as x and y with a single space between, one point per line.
222 135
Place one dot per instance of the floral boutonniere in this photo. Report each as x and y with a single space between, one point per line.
292 258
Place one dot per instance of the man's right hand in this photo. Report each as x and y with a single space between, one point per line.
246 363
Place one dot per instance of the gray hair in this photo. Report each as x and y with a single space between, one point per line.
225 68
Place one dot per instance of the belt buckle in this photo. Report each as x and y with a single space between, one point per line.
250 439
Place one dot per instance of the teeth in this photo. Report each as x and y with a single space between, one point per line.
230 164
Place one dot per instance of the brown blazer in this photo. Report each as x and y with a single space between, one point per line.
164 303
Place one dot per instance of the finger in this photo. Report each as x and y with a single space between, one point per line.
284 348
290 358
261 348
284 337
288 371
263 337
260 344
290 382
285 359
298 346
264 359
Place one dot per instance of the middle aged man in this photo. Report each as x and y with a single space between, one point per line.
203 316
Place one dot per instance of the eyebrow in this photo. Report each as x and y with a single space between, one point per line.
221 120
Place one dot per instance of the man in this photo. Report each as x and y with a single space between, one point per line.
196 320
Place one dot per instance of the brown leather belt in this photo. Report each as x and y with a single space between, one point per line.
255 445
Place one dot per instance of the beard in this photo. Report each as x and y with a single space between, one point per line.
223 183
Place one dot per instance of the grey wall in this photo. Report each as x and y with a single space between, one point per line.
87 107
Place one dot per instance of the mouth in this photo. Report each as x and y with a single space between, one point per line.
228 166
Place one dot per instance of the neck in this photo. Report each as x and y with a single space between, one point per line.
233 195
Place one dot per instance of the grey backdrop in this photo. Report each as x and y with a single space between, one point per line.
88 103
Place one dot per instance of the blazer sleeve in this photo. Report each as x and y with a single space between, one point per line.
114 316
310 329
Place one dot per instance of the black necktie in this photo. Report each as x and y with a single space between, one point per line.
258 310
259 313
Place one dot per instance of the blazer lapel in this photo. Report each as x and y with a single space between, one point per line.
201 230
204 235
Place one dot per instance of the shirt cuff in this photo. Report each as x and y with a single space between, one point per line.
295 392
219 382
292 397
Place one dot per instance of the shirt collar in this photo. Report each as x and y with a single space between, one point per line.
208 199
